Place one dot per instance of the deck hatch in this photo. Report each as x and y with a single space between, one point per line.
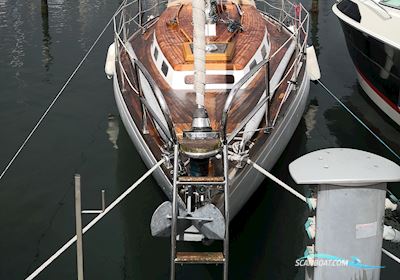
215 51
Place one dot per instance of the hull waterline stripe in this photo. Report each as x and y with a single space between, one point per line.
381 95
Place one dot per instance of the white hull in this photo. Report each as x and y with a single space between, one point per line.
247 180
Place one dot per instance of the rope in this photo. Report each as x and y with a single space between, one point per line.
276 180
359 120
94 221
57 96
300 196
390 255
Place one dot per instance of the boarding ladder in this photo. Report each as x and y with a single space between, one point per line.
184 258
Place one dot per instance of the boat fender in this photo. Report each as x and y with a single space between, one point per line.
312 64
251 127
310 228
109 67
391 234
390 205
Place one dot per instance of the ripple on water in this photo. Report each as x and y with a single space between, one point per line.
3 14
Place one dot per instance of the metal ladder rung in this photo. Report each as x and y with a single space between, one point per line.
199 258
192 233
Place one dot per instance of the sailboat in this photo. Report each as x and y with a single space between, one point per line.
206 85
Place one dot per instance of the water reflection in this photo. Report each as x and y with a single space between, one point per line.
86 9
59 12
310 117
113 130
314 12
141 249
3 14
47 57
349 133
18 52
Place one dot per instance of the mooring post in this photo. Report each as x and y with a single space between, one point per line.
78 223
45 8
346 223
314 6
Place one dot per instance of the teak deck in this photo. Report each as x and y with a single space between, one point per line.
171 38
182 103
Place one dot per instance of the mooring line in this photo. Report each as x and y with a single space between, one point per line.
390 255
276 180
57 96
359 120
94 221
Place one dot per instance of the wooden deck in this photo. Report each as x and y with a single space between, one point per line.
182 103
171 38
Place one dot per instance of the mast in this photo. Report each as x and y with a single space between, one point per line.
199 52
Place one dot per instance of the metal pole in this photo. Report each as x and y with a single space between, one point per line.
95 220
103 200
78 223
140 13
226 190
268 92
174 212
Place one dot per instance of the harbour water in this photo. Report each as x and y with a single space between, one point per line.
83 134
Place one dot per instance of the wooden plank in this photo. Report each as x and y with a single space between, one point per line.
199 257
200 179
172 38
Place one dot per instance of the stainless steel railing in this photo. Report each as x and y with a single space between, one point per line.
132 12
294 18
131 19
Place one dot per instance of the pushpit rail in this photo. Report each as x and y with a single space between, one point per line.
119 199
